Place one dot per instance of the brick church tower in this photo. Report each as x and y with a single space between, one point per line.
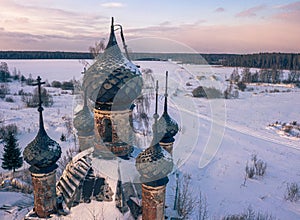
42 154
154 164
120 83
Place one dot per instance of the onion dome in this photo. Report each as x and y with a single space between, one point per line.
167 126
84 120
154 164
113 81
43 152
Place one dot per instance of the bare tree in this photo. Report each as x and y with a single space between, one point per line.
97 48
186 199
202 213
143 103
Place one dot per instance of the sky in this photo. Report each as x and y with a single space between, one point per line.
202 26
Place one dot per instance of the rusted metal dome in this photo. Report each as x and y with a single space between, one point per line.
154 163
113 81
84 121
43 152
167 125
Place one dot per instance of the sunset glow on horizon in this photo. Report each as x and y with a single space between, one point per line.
205 26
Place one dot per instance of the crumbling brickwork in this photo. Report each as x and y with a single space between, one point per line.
153 202
44 193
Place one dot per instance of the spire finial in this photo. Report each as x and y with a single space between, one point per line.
155 116
112 38
40 108
112 22
166 94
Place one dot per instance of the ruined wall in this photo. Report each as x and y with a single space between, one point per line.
153 202
44 193
114 136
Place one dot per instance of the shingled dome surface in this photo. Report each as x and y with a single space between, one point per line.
42 152
112 79
168 127
154 163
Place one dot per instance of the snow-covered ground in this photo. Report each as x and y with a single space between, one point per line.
216 138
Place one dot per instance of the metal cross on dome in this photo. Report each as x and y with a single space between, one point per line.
39 83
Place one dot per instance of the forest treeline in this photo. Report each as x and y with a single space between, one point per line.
44 55
289 61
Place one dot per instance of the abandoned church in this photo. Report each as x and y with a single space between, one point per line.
108 168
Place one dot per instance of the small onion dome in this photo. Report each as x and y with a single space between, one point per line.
112 79
167 127
154 164
84 122
42 153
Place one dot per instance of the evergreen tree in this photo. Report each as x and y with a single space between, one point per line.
12 158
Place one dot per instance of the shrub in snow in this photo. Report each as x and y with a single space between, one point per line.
9 99
249 214
241 86
230 92
32 100
4 90
187 203
207 92
257 167
202 212
5 130
292 192
56 84
63 137
67 85
250 171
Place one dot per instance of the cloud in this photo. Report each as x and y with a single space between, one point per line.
51 42
289 13
243 38
38 20
112 5
220 9
291 6
251 12
165 23
42 28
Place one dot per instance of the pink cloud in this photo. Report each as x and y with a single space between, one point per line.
290 13
250 38
251 12
220 9
291 6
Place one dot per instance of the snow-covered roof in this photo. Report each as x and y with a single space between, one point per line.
87 178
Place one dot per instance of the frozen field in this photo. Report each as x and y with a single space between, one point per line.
216 138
